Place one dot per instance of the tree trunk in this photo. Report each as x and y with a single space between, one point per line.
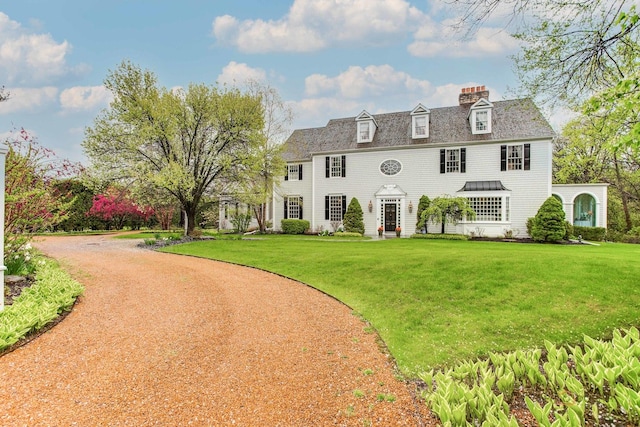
189 215
623 195
258 212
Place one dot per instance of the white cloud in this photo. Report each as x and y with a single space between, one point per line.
376 88
371 81
82 98
312 25
29 58
442 40
28 99
234 74
316 112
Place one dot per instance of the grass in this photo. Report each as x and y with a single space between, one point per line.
438 302
152 235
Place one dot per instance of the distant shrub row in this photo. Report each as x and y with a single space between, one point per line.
440 236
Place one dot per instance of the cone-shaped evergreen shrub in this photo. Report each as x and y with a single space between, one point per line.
424 203
549 222
353 220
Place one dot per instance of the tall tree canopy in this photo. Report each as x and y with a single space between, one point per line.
180 141
573 52
258 177
588 152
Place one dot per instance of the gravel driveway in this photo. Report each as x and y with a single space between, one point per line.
166 340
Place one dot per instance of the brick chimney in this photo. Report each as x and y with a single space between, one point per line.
471 95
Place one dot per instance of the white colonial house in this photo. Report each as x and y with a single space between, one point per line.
497 154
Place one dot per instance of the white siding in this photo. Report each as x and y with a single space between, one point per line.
421 175
294 188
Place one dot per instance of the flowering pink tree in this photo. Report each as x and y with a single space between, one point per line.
32 201
117 210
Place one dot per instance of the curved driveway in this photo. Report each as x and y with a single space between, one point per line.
165 340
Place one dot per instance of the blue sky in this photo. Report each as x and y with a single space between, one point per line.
327 58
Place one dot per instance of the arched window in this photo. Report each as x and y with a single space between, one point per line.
584 210
557 196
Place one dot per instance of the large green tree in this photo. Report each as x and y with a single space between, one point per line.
180 141
258 177
573 51
588 152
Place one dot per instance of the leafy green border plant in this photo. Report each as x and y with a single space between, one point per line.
479 392
53 293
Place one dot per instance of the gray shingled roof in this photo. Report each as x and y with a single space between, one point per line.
511 120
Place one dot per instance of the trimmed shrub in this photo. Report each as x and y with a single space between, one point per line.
590 233
569 230
530 225
347 234
353 219
294 226
440 236
549 222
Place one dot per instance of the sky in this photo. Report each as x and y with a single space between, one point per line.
326 58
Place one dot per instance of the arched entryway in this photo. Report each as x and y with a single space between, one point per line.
584 210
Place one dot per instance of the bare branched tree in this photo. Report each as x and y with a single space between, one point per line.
571 48
3 94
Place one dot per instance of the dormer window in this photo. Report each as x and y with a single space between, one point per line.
482 121
480 117
420 122
366 127
364 133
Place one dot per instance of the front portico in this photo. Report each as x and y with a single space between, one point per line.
390 208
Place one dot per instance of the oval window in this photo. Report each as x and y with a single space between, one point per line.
390 167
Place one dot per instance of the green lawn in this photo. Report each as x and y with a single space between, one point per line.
436 302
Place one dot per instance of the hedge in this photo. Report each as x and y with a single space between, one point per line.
590 233
440 236
294 226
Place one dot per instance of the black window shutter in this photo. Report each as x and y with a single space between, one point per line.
442 161
327 167
463 160
527 157
300 208
503 158
344 166
286 174
286 210
344 205
326 207
300 172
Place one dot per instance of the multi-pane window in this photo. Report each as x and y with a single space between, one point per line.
390 167
514 157
487 208
420 123
363 131
336 166
294 172
293 205
482 121
452 160
335 208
